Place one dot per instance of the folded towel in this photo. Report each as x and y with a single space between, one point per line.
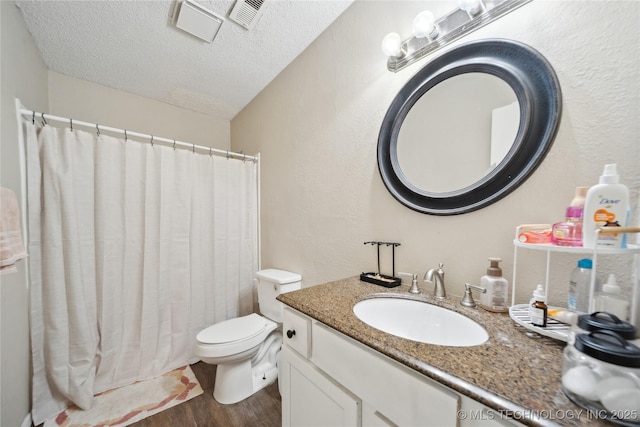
11 246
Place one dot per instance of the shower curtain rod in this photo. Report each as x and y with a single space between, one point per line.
34 114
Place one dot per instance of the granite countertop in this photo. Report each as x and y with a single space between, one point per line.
515 374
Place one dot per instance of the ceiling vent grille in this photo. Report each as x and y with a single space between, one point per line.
246 12
198 21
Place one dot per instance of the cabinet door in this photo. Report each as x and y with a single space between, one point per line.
309 398
397 394
371 417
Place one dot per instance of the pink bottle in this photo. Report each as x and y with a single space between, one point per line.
569 232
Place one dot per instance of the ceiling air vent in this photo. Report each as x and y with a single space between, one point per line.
198 21
246 12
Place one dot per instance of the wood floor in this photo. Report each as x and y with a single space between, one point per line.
263 409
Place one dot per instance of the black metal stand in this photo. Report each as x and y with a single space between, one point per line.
378 278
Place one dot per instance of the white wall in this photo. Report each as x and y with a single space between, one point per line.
23 75
316 127
94 103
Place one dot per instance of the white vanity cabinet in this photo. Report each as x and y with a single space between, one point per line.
309 396
312 398
328 378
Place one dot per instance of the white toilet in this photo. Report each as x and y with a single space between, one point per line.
246 349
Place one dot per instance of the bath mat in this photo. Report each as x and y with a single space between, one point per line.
126 405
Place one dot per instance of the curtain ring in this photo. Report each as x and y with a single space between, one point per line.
194 148
228 156
97 129
126 137
210 151
174 145
44 122
152 140
71 124
33 118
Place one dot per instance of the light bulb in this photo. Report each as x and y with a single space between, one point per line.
392 44
424 25
472 7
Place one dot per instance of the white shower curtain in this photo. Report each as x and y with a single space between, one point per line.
133 249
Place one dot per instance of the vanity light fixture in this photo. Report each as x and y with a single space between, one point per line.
472 7
424 25
392 45
431 34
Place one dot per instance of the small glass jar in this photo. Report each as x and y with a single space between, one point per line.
601 372
568 233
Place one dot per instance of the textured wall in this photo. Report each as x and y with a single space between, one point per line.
24 76
94 103
317 124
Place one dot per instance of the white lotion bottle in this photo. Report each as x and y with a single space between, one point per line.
606 205
495 298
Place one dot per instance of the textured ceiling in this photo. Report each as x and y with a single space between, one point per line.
134 46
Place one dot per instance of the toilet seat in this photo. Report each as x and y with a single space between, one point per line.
232 330
233 336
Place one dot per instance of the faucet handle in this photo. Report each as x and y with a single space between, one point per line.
414 282
467 299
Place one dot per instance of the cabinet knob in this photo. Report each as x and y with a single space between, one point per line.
291 333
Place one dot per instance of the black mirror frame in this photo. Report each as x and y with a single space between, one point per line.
538 92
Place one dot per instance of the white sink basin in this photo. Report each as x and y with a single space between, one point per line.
420 321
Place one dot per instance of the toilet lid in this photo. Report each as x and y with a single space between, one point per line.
231 330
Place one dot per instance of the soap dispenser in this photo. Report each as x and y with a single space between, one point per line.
495 298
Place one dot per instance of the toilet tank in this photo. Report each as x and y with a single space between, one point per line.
271 283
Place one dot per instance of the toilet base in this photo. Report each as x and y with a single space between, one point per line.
237 381
234 386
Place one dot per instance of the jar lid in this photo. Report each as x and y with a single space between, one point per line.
608 347
603 320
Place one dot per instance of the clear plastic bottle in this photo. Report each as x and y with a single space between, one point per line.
579 285
611 300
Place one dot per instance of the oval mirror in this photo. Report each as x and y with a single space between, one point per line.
469 127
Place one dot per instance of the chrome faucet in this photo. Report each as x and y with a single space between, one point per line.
437 276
